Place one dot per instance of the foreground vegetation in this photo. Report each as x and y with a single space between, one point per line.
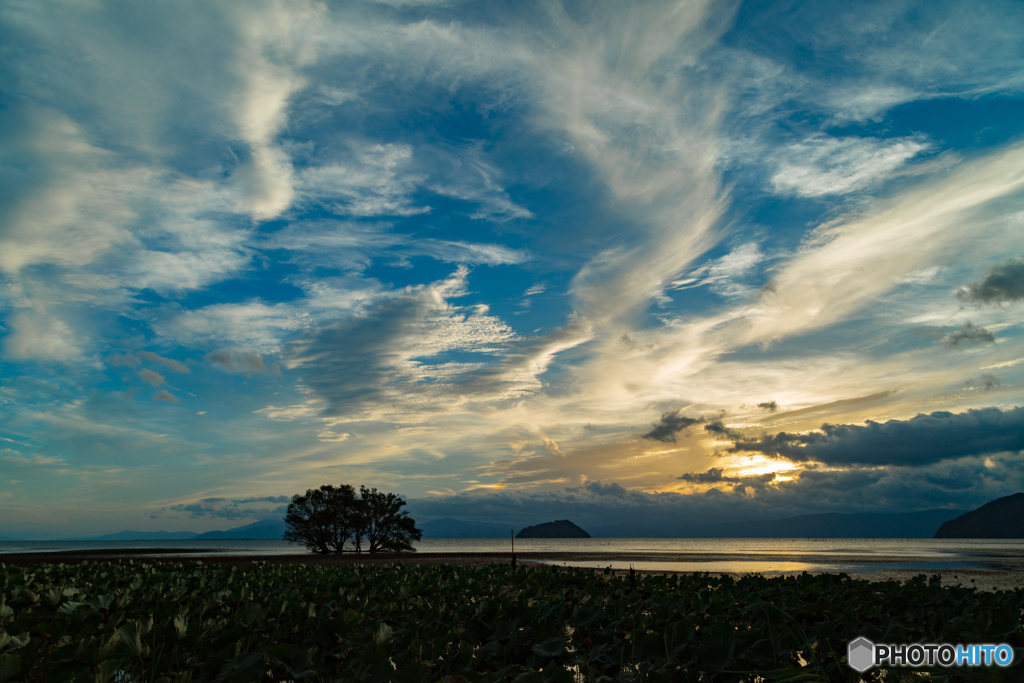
137 621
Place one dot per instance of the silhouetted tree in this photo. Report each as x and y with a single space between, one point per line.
323 519
326 519
386 526
308 520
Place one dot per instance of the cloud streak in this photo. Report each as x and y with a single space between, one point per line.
845 265
921 440
234 508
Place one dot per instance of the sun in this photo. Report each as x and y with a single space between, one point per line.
753 465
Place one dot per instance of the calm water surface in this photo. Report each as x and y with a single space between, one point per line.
763 555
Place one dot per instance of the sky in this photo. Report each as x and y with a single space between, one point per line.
639 265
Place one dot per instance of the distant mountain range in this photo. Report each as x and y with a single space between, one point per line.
1000 518
142 536
838 525
264 530
267 529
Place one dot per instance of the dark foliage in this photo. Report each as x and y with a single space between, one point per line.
327 519
387 527
210 622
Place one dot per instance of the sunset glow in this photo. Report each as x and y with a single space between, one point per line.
514 261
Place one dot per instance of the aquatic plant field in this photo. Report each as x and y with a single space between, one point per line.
195 621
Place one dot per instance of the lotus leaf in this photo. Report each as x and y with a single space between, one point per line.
10 665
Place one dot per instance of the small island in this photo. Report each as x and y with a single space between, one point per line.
561 528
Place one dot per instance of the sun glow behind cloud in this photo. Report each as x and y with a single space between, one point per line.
758 464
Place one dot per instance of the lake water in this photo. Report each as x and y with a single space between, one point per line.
764 555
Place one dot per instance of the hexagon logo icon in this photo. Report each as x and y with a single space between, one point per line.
861 654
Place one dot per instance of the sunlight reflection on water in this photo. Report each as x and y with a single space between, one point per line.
765 567
739 555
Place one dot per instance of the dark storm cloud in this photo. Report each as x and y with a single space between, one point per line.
717 427
349 363
712 476
602 509
671 424
952 482
921 440
716 475
522 360
235 508
608 509
968 334
600 489
391 353
1004 283
770 406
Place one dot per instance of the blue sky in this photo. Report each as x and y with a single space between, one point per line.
511 260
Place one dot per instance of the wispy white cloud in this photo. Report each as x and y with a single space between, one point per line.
822 166
276 39
724 274
80 213
878 55
647 123
371 179
41 336
466 173
352 246
845 265
467 252
255 326
534 290
374 180
518 371
867 101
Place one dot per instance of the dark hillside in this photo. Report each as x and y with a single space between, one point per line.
1001 518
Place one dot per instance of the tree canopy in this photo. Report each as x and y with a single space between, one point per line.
332 519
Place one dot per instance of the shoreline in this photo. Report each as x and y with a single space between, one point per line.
1010 576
